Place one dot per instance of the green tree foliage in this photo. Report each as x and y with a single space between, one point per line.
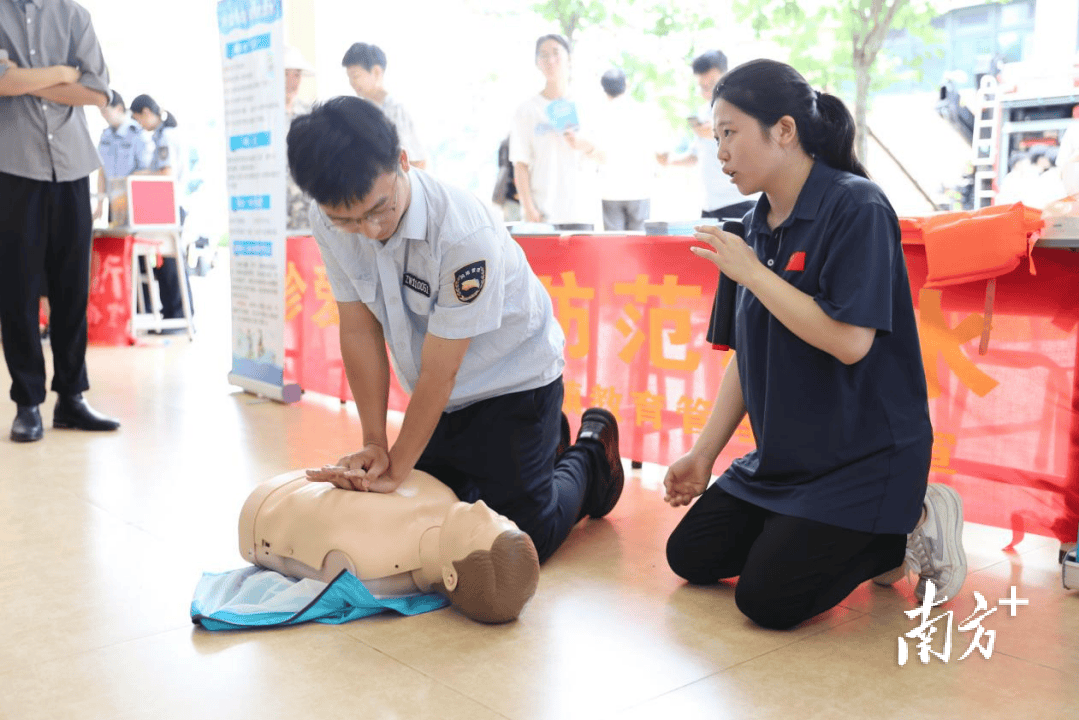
659 44
837 44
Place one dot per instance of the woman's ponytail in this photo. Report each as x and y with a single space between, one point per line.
833 143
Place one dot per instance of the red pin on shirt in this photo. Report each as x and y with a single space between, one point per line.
797 263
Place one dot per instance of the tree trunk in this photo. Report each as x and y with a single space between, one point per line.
861 104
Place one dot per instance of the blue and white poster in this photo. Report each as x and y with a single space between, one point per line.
252 57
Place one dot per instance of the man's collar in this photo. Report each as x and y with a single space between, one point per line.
414 222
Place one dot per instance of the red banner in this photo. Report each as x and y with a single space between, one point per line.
635 310
108 311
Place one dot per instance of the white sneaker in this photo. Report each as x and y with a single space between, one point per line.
935 548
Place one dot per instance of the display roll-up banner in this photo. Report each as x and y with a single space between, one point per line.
252 58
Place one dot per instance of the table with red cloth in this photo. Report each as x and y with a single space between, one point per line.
635 310
108 312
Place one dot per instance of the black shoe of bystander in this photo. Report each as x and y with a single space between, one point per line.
27 426
72 411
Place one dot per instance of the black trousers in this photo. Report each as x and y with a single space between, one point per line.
730 212
45 236
502 451
168 288
790 569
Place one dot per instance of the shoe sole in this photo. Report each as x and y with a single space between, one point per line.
27 439
949 508
618 475
72 426
891 577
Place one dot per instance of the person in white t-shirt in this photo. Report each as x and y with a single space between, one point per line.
627 163
546 149
366 68
721 197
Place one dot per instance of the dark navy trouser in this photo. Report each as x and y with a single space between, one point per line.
502 451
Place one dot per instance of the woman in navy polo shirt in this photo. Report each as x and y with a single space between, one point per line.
827 365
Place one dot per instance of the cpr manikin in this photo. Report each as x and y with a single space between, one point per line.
417 538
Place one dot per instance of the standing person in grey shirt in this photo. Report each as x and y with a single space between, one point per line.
45 216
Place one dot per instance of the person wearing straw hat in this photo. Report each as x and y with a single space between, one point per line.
296 68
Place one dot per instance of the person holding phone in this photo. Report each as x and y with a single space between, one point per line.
722 199
828 368
547 149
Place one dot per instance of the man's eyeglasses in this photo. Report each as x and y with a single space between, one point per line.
375 217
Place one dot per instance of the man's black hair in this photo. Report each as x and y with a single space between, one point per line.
336 151
711 60
613 82
367 56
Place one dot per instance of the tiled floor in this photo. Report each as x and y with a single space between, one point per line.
103 537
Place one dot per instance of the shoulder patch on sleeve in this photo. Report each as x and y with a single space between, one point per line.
468 281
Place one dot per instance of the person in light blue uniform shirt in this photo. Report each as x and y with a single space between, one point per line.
123 148
426 270
166 158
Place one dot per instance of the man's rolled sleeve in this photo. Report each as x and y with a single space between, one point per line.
89 59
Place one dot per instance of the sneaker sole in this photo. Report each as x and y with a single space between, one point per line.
891 577
949 506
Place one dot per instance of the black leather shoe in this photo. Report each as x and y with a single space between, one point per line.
72 411
599 425
27 426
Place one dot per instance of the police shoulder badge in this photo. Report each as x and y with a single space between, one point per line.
468 281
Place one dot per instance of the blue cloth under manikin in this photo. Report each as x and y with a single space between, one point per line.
253 597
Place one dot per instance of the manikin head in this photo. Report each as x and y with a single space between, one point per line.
490 568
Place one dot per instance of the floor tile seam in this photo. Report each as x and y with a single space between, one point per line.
859 615
627 708
429 676
1028 661
99 648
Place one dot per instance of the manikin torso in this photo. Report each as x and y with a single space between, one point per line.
312 529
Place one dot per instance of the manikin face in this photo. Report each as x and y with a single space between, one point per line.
468 527
378 214
364 82
752 157
553 60
707 83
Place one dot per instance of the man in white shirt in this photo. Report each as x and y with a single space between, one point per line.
721 197
366 68
627 163
426 270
